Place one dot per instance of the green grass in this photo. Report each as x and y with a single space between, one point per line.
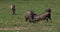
38 6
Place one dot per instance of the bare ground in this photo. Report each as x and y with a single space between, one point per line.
25 28
15 28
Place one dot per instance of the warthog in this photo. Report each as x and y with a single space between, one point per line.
29 15
12 6
45 16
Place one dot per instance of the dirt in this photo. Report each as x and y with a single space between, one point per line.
14 28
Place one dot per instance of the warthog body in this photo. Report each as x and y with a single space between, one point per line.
29 15
45 16
12 8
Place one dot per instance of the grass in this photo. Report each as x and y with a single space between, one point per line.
38 6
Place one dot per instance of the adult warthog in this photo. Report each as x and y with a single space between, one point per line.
12 7
44 16
29 16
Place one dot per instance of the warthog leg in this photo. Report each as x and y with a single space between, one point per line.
26 18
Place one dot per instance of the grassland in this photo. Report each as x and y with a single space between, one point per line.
38 6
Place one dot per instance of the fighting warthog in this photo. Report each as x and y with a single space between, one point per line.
29 16
44 16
